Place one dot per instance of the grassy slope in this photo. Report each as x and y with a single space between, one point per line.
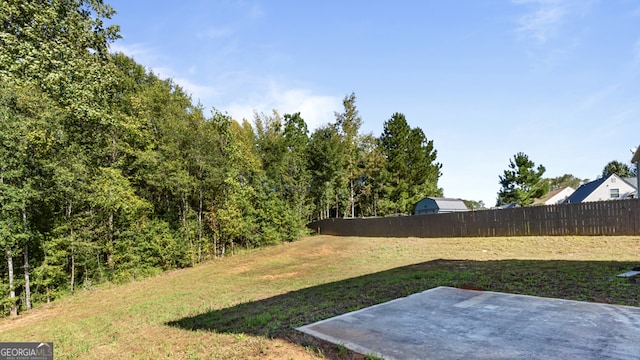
245 306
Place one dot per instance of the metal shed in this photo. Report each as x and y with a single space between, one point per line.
433 205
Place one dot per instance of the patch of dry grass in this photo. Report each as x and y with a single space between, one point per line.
246 306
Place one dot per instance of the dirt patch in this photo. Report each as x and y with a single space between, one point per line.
279 276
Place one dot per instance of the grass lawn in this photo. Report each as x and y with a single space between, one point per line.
246 306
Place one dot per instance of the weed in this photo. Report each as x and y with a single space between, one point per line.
342 350
372 357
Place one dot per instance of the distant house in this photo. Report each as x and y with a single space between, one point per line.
609 188
636 160
433 205
554 197
633 182
506 206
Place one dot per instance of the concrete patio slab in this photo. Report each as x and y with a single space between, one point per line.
450 323
631 273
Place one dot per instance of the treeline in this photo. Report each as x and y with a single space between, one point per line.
108 173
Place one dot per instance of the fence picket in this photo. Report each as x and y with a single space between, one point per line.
618 217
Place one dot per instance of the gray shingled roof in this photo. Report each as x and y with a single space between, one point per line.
584 190
632 181
449 203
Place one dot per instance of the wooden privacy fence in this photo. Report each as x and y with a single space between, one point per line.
618 217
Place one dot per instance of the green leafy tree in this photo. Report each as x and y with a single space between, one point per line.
566 180
349 122
370 183
618 168
327 165
522 182
117 204
52 41
69 248
297 177
233 217
27 121
474 205
282 144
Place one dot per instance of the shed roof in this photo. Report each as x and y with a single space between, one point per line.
449 203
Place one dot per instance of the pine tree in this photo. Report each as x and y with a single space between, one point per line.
412 171
522 182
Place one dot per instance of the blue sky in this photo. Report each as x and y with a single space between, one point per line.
484 79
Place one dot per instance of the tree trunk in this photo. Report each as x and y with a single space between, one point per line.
200 224
73 269
351 198
185 224
27 283
375 205
99 269
110 264
73 251
12 291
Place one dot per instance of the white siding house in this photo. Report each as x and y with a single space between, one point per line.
554 197
610 188
636 160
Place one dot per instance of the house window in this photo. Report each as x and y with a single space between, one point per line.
615 193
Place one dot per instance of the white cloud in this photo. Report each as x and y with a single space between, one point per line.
140 53
216 33
316 110
598 96
266 95
542 23
199 93
256 11
148 57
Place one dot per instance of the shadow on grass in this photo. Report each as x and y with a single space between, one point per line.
278 316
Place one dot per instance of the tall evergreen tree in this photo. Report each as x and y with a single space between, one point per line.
522 182
412 171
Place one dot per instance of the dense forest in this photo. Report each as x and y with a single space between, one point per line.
109 173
